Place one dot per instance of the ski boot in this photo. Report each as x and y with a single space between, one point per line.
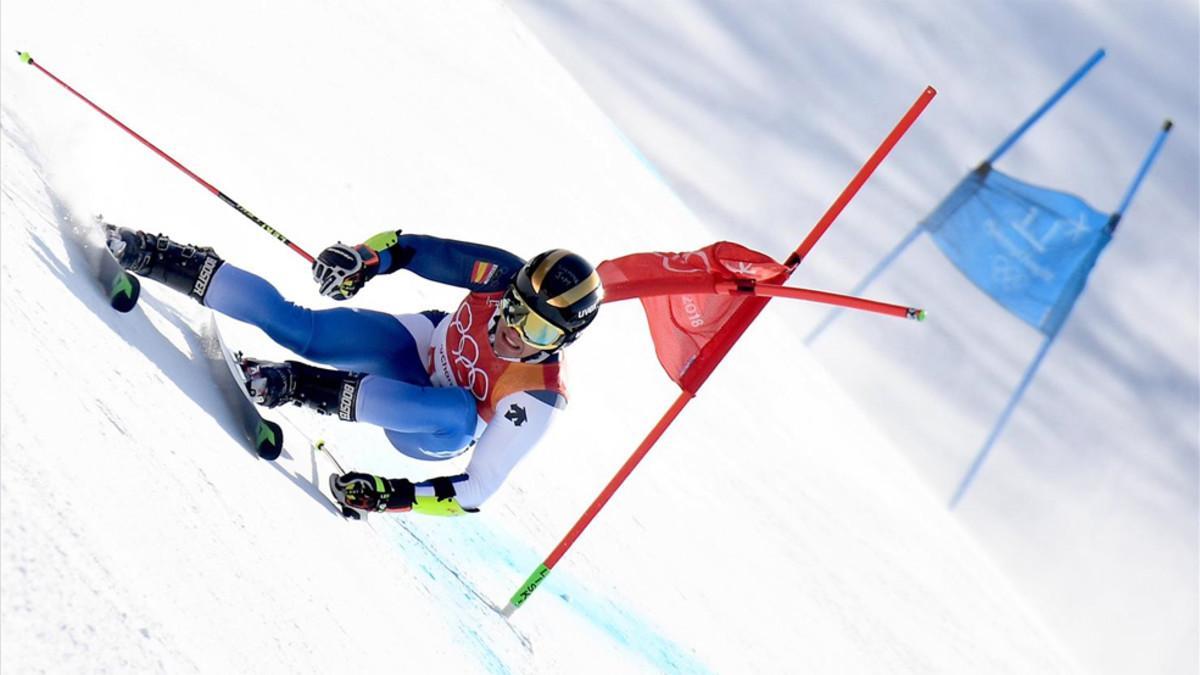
187 269
329 392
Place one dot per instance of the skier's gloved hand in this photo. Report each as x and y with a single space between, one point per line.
357 490
342 270
374 493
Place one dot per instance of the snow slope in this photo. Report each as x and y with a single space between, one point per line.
773 533
755 113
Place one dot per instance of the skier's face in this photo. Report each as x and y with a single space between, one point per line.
509 344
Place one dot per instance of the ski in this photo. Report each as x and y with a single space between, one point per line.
121 287
265 437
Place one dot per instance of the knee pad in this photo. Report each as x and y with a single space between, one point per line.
428 447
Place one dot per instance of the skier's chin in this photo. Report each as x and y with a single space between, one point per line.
509 344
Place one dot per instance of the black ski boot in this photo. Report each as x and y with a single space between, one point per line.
187 269
329 392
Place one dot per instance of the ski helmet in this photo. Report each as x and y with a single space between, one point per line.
554 297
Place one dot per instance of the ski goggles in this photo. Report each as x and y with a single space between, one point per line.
533 328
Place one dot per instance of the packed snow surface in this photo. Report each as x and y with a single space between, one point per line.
774 528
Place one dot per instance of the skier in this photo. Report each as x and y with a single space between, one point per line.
487 375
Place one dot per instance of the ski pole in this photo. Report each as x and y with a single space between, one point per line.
223 197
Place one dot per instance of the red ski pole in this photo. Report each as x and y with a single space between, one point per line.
224 197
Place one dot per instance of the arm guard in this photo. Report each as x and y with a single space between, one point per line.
436 497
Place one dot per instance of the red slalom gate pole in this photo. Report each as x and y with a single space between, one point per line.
744 315
711 356
861 177
223 197
539 575
823 297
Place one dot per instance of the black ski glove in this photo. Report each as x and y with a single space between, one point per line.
363 491
342 270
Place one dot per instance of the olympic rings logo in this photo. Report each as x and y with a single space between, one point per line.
466 354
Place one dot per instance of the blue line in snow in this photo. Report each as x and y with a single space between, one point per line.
485 546
640 156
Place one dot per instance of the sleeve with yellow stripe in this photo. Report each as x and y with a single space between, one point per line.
475 267
434 497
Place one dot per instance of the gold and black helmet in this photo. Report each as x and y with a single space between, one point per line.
554 297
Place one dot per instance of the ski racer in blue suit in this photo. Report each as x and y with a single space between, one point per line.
485 376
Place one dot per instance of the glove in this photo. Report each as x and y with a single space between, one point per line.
342 270
363 491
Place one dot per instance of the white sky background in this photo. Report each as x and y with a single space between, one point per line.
758 113
775 534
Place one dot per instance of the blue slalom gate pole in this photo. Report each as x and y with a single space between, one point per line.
866 281
1071 82
984 451
1141 174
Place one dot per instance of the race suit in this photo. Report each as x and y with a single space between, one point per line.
432 380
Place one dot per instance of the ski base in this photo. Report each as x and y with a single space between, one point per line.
264 437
